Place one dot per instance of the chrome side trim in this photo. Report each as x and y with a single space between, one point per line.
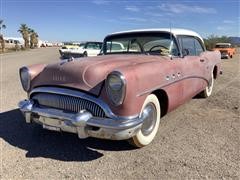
168 84
74 93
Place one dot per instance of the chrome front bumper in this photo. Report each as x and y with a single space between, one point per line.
81 123
224 55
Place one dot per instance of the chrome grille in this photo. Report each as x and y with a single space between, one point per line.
223 51
68 103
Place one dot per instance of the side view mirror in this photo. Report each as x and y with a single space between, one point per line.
185 52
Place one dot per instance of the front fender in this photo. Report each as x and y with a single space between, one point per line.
34 71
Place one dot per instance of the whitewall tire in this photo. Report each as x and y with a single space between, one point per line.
208 90
151 113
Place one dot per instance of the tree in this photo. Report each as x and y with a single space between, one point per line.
24 30
31 31
2 42
33 38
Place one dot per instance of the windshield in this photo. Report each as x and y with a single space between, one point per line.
82 45
222 46
67 43
93 45
148 43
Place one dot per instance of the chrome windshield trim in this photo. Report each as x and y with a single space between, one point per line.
75 93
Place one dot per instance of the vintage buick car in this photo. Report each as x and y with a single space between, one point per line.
85 49
123 93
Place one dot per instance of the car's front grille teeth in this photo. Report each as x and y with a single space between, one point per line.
68 103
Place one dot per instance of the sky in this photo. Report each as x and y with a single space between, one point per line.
81 20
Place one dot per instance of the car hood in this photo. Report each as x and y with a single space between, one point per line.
87 74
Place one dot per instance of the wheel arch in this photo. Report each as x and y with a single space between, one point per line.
163 100
215 72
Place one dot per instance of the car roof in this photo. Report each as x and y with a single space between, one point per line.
174 31
91 42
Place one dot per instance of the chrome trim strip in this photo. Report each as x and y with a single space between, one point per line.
167 84
74 93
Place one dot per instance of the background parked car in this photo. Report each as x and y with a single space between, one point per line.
68 48
226 50
89 48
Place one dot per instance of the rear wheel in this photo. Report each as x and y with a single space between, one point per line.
208 90
85 54
151 119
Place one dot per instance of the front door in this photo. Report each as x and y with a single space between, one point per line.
193 66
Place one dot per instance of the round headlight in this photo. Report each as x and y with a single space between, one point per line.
116 87
115 82
25 78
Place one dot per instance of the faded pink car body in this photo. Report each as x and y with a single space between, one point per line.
82 96
179 78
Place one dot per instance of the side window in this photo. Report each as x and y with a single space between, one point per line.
198 47
93 46
191 46
100 45
134 46
188 45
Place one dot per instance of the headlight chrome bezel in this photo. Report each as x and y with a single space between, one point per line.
25 78
116 96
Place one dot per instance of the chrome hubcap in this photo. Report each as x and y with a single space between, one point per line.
149 115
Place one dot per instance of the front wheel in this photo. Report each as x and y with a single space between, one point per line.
151 119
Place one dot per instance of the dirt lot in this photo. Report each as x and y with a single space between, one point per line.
199 140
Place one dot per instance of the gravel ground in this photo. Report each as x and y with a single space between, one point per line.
199 140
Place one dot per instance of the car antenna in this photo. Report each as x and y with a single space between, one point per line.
171 38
